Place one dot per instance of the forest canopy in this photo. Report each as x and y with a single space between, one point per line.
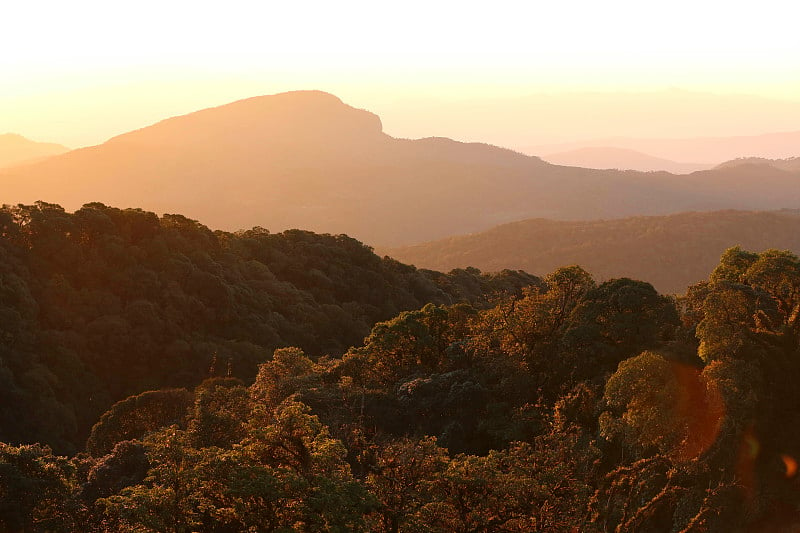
103 303
208 381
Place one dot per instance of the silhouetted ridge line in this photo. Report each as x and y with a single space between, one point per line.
307 160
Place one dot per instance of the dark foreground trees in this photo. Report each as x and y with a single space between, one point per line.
105 303
567 406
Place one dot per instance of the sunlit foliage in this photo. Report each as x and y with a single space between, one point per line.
565 405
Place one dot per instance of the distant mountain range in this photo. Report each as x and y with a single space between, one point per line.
621 158
16 149
703 150
791 164
523 121
306 160
671 252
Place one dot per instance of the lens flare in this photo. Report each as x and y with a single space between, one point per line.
790 464
703 424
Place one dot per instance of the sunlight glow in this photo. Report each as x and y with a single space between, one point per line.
790 464
120 66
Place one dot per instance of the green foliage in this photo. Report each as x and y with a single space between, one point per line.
732 265
755 306
658 405
778 273
563 406
285 474
727 325
35 487
219 416
619 319
136 416
288 372
400 476
126 465
104 303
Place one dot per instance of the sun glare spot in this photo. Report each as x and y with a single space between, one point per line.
791 465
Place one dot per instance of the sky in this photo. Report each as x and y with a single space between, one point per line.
79 72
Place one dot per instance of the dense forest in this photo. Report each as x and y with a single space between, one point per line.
103 303
671 252
297 382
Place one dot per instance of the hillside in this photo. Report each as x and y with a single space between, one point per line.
84 295
671 252
620 158
568 406
16 149
307 160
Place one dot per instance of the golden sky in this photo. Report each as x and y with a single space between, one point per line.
78 72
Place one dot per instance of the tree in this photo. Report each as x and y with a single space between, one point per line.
136 416
288 372
400 475
35 489
732 265
616 320
659 406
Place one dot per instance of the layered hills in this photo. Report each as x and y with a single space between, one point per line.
218 381
791 164
704 150
621 158
307 160
16 149
671 252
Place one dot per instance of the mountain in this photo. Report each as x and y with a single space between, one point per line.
705 150
671 252
791 164
621 158
16 149
307 160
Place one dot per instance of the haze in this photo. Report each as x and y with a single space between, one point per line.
515 74
588 314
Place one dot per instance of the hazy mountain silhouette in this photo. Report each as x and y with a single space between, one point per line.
306 160
671 252
710 150
522 121
791 164
16 149
620 158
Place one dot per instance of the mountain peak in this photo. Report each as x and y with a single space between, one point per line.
304 96
16 149
307 160
302 115
13 137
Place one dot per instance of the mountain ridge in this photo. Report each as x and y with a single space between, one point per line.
790 164
609 157
671 252
710 150
307 160
18 150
